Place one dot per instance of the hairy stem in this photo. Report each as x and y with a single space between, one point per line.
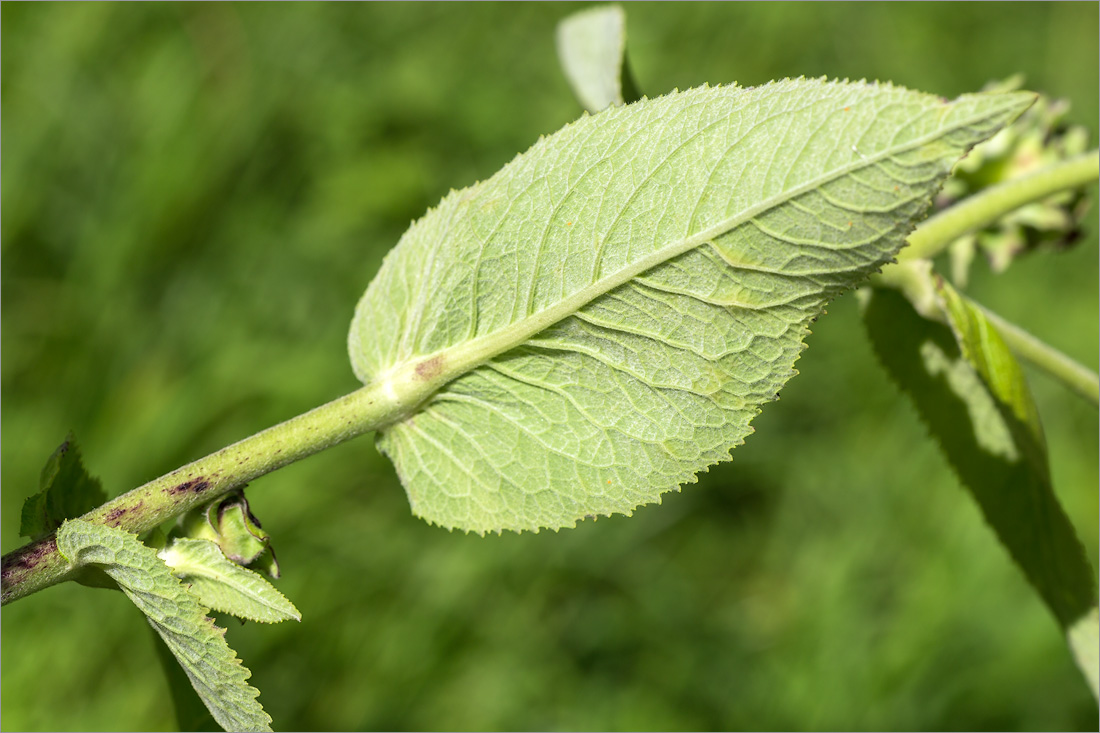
973 213
39 565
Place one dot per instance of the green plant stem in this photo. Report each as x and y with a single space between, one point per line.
973 213
1060 366
39 565
915 280
912 274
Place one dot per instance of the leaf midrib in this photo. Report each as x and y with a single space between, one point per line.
456 360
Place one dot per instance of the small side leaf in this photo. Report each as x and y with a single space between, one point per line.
973 397
199 646
225 586
65 491
592 50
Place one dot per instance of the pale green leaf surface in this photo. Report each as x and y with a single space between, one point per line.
986 351
191 712
213 668
998 456
591 47
1084 641
65 490
603 318
223 585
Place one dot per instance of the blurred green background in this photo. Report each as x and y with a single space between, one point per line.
195 196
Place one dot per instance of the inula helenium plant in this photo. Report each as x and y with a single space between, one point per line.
601 320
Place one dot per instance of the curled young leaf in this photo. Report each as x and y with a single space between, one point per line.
229 523
603 318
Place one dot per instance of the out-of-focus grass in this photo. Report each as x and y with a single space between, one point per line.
194 197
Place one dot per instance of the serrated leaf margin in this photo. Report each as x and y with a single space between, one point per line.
216 673
224 585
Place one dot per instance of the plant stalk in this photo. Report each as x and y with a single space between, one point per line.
935 233
39 565
914 280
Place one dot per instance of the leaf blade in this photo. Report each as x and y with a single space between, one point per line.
1084 643
213 668
223 585
970 392
715 218
66 490
591 47
191 713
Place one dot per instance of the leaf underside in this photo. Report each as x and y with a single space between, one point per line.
608 313
197 644
591 46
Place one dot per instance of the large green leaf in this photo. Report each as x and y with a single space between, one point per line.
197 644
971 393
66 490
603 318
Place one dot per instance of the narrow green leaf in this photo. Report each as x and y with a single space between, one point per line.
978 408
603 318
987 353
199 646
592 50
223 585
66 490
